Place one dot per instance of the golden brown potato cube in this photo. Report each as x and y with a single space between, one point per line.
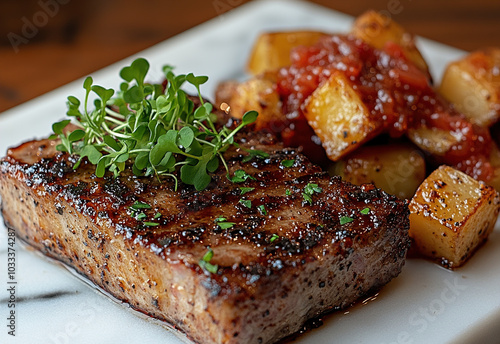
377 29
432 140
258 93
272 50
451 215
396 168
472 85
339 117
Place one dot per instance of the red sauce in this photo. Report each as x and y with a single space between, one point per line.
394 90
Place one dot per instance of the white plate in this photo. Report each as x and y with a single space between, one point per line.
425 304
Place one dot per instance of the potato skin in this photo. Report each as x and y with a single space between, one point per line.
451 215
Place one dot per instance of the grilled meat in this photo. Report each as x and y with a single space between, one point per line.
285 253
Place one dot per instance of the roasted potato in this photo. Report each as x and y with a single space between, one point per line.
259 94
451 215
377 30
472 85
339 117
272 49
432 140
396 168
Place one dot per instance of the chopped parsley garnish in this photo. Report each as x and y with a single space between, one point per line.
309 190
288 163
254 153
312 188
240 176
223 223
365 211
205 264
140 205
246 202
140 216
136 212
156 128
345 219
274 237
245 190
262 209
288 192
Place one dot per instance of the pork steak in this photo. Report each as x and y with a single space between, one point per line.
289 243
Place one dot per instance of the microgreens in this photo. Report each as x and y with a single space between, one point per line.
205 264
158 130
365 211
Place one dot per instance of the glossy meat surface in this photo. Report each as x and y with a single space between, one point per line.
285 259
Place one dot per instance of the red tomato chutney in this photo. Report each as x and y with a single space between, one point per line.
393 89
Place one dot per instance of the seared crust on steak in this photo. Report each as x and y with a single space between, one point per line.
278 265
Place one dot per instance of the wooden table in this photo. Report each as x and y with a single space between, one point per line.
47 43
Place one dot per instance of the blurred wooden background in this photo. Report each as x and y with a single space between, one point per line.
48 43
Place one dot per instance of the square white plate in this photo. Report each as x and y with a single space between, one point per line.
425 304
